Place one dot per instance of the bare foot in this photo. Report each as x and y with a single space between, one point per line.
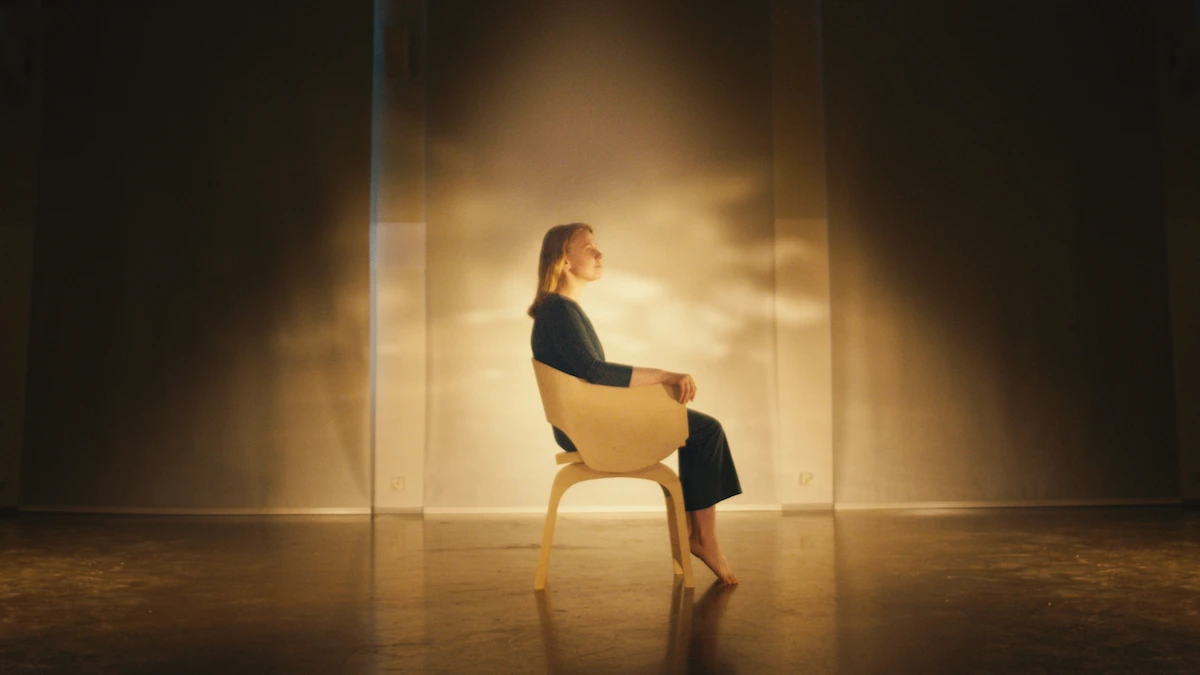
710 553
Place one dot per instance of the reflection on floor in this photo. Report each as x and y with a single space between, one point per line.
1004 591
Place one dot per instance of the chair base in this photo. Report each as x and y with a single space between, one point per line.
660 473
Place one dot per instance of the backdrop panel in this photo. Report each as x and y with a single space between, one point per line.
999 290
652 122
201 278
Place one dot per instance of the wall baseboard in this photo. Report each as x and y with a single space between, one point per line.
748 507
185 511
541 510
1027 503
807 507
399 510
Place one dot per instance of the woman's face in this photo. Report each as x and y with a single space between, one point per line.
583 258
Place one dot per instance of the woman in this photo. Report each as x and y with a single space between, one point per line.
563 338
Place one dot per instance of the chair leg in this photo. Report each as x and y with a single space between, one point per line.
568 476
676 490
676 549
539 581
676 515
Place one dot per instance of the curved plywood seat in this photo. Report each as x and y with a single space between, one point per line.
614 428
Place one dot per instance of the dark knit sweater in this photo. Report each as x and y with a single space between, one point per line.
564 339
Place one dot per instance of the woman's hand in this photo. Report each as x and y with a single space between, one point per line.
683 385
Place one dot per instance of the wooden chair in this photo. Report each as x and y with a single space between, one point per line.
620 432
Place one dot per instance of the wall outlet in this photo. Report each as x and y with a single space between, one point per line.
398 483
805 478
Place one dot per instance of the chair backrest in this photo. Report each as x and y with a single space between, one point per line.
615 429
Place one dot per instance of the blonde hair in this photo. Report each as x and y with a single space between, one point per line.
553 260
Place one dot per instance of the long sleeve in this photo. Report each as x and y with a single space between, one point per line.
563 338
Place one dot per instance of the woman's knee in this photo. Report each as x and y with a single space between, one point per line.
701 425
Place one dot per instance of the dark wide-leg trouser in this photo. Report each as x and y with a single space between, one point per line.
705 465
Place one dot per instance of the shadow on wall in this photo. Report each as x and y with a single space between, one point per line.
996 252
652 124
201 281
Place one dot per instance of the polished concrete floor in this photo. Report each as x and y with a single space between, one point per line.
1003 591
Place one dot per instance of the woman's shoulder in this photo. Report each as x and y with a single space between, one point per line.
559 303
557 310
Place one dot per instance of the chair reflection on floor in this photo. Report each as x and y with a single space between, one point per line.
692 633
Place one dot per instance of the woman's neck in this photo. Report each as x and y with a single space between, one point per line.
570 288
